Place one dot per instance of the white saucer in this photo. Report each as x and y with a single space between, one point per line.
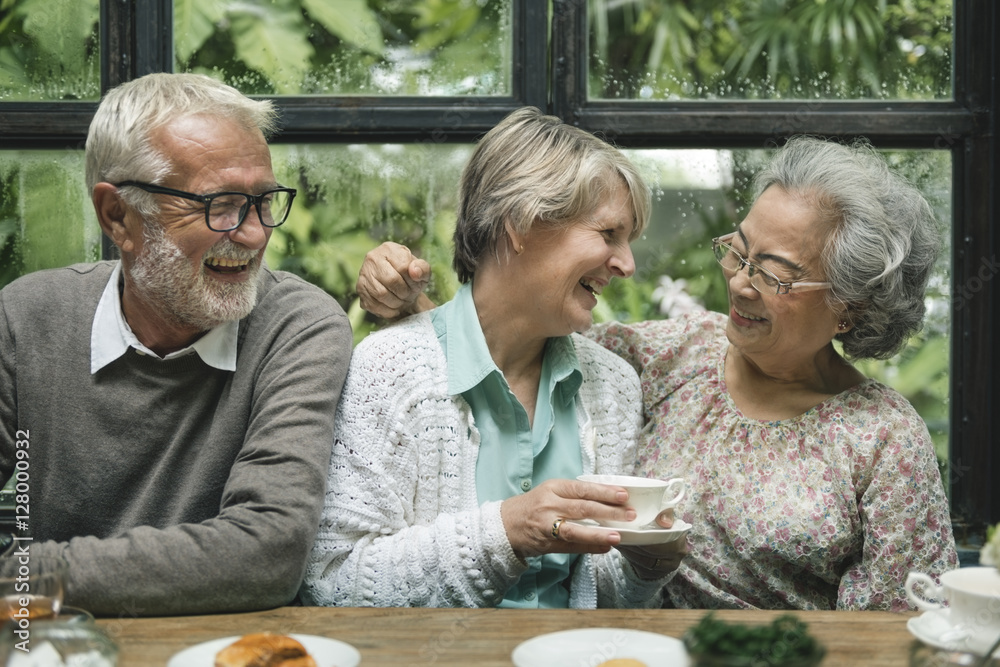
325 651
643 536
935 628
591 646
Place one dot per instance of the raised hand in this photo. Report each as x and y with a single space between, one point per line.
392 281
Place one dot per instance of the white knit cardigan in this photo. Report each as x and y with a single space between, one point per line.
401 523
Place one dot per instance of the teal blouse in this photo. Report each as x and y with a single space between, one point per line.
515 456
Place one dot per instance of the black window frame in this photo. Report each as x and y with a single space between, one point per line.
550 72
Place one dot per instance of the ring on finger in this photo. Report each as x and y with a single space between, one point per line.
556 525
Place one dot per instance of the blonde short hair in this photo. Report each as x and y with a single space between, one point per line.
533 168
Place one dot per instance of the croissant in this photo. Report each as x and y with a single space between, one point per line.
264 649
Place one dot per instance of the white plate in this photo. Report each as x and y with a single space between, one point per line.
592 646
325 651
935 628
646 536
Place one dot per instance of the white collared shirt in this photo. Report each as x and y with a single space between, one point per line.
111 336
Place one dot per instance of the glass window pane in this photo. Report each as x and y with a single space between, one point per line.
49 50
770 49
352 198
348 47
46 217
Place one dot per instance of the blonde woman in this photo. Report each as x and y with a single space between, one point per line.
461 431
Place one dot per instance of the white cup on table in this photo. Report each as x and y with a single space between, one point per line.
973 596
648 497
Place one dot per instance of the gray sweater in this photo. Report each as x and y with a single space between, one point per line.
170 487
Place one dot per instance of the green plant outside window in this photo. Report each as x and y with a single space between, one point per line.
348 47
771 50
49 50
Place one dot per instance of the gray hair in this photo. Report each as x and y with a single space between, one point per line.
883 240
534 168
118 145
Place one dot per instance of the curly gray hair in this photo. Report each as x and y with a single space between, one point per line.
883 243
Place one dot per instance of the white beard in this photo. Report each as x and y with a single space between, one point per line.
161 276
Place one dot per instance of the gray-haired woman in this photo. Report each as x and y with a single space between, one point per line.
460 433
811 486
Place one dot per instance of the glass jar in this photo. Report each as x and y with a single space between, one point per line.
66 643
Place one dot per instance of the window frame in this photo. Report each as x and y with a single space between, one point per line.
136 38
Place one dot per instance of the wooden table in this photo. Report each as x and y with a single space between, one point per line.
486 637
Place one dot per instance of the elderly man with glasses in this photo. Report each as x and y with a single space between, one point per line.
169 416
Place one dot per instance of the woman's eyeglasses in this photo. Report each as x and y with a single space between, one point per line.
761 279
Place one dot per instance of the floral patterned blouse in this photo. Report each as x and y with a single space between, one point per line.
827 510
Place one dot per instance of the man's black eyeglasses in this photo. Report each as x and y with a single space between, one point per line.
225 211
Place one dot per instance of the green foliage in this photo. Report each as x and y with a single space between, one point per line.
850 33
49 50
688 257
923 33
194 23
10 256
349 20
352 198
267 39
771 49
785 642
292 47
43 221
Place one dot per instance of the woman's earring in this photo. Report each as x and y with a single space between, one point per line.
519 250
842 325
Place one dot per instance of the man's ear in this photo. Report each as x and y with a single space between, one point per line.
111 215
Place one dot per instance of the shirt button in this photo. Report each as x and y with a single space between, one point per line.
526 484
529 596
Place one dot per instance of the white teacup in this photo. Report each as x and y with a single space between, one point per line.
648 497
973 595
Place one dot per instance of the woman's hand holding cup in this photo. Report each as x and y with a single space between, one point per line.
546 519
654 501
539 521
650 498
